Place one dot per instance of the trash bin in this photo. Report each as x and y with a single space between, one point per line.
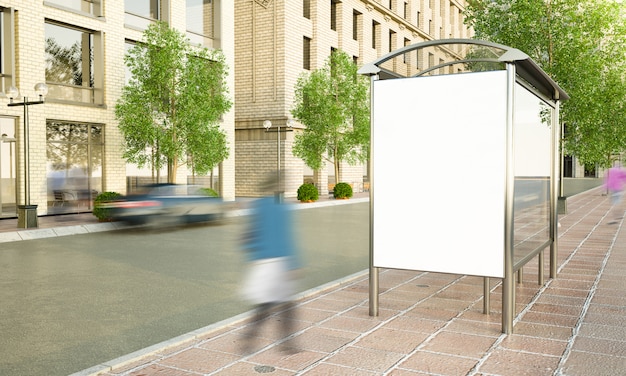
27 216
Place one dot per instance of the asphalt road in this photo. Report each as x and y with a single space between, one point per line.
69 303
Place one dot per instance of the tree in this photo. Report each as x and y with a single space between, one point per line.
171 107
581 45
332 102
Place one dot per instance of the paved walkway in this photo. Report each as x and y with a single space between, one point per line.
432 324
429 323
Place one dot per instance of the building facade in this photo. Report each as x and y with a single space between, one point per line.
77 47
278 40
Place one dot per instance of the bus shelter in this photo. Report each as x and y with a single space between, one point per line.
464 164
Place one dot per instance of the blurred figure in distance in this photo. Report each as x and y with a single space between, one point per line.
273 260
615 181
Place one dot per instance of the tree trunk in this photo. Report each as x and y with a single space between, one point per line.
337 171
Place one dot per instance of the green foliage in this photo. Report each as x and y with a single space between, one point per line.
209 192
307 192
582 46
342 190
333 104
99 205
171 107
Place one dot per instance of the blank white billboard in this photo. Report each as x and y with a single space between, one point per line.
439 164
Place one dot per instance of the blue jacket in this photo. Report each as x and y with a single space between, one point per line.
271 232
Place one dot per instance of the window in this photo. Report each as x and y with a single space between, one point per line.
141 13
200 22
74 163
333 15
418 58
356 22
392 40
306 53
306 9
128 45
74 70
375 32
8 170
406 10
7 53
93 7
406 57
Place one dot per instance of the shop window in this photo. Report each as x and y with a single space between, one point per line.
74 165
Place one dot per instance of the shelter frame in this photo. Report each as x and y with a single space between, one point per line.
521 74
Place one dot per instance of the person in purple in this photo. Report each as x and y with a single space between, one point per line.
615 181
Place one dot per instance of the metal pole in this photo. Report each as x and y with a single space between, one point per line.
508 284
373 272
554 216
486 296
26 155
279 182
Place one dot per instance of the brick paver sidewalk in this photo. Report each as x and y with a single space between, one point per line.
433 323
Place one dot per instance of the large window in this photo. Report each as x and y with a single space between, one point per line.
200 22
93 7
73 64
141 13
74 164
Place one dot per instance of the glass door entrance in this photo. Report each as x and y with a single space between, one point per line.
8 173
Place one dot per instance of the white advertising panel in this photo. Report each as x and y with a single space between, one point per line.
439 163
533 135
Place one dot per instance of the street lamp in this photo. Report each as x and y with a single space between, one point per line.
27 213
267 124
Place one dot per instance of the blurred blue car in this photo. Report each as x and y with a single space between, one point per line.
167 204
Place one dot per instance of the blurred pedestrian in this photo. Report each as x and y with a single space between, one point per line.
273 260
615 181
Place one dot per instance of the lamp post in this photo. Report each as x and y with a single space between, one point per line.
27 213
267 124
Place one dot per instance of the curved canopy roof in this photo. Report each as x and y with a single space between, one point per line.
463 55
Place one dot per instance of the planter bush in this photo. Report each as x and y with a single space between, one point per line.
99 209
209 192
308 192
342 190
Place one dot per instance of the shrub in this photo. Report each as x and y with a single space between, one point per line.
342 190
209 192
100 210
308 192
